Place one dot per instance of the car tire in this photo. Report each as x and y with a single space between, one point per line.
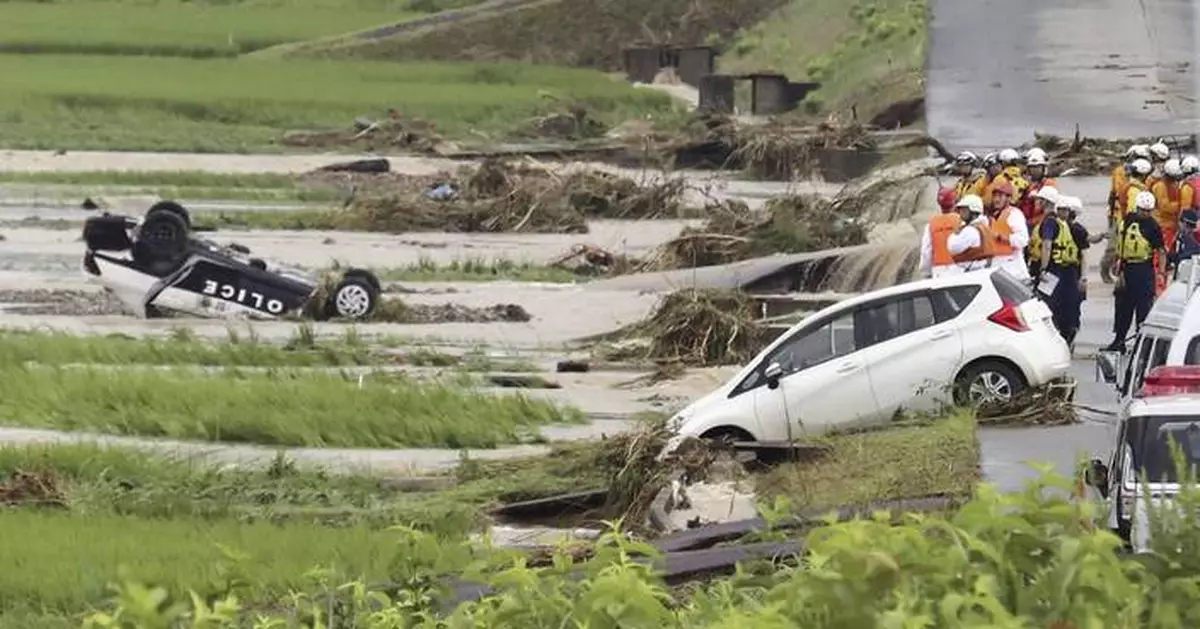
258 263
370 277
162 237
727 435
354 298
172 207
987 381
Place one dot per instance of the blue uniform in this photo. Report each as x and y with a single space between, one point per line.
1137 295
1065 302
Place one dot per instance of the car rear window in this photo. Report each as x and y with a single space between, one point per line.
1154 457
1010 288
950 302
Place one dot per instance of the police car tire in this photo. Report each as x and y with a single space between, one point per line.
162 236
173 207
354 298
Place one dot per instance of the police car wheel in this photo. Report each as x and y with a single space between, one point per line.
354 298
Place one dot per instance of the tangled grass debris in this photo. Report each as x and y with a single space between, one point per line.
703 327
1094 156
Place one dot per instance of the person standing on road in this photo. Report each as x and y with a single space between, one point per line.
1187 240
1138 240
1058 272
1036 164
1118 204
991 174
969 180
1073 208
1159 154
972 244
1168 199
1010 159
936 259
1044 201
1009 230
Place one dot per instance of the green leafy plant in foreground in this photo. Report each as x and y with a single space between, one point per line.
1024 560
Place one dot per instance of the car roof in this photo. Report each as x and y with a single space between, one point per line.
1168 309
974 278
1179 404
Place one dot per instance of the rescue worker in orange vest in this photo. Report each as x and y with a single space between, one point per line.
1191 182
1116 195
1167 204
1012 171
1138 240
936 260
972 244
1058 271
1009 230
969 180
1159 154
991 171
1044 200
1036 163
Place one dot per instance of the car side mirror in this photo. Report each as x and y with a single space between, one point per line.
773 373
1108 365
1096 475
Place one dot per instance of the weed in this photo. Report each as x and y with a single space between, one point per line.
477 270
277 407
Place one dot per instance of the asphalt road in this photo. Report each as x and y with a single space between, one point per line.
1000 69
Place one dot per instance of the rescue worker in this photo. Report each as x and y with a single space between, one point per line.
1009 230
1136 172
1044 200
1059 271
1187 240
1191 182
1167 198
969 181
1073 207
972 244
1138 240
1118 179
936 259
1036 164
991 170
1159 154
1011 161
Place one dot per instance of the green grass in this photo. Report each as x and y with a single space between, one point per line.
868 53
277 407
941 457
180 29
205 105
183 185
478 270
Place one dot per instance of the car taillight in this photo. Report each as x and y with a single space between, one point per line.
1009 317
1170 380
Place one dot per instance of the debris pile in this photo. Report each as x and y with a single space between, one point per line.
1092 156
573 122
1049 405
703 328
396 131
32 489
499 196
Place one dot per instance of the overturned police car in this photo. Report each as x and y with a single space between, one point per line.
159 265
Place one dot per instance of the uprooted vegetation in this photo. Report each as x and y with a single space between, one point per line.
1092 156
497 196
703 327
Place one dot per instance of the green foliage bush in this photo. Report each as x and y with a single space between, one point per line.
1024 560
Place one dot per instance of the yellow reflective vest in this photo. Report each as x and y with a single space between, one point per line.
1132 246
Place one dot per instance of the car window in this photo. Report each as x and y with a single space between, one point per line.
808 348
950 302
1154 456
1193 352
1010 288
897 317
1136 362
1151 353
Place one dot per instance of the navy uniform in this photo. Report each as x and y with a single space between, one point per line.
1064 263
1138 238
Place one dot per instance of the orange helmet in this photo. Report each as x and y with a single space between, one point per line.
945 199
1004 187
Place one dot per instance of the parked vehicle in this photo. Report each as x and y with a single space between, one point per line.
1165 408
159 264
1170 335
980 336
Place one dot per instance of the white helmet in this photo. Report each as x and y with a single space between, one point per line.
1048 194
966 157
1190 164
1160 151
1070 203
1144 201
1142 166
1138 151
972 202
1009 156
1036 157
1173 169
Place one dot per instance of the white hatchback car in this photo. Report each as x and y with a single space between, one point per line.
982 335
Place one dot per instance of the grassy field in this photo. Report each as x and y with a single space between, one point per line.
205 105
865 53
278 407
181 29
181 185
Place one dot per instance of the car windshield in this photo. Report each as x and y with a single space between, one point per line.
1154 458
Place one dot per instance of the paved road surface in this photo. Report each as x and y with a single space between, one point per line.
999 69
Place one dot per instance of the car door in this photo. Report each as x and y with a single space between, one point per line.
824 384
911 355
